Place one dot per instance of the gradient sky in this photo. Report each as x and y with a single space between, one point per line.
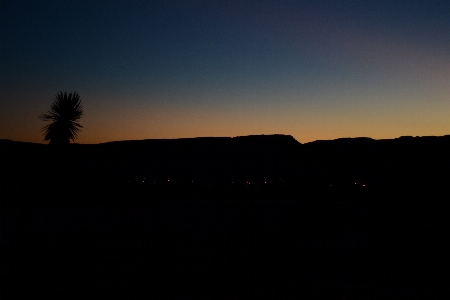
174 69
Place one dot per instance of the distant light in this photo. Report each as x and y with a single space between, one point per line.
364 185
355 182
265 182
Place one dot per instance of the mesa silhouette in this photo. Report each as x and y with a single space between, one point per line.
251 162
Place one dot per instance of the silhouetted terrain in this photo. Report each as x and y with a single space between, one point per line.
278 160
253 217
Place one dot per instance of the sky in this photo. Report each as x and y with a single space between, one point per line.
316 70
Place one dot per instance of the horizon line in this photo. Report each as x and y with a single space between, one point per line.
239 136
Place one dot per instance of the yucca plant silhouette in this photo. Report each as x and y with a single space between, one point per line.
65 112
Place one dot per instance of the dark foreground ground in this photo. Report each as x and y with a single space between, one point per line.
227 245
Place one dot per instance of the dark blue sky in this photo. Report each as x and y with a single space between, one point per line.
170 69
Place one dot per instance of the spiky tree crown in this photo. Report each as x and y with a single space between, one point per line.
65 111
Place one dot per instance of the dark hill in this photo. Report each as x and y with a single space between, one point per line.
415 162
205 160
406 161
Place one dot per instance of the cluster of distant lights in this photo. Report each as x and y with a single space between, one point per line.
247 182
192 181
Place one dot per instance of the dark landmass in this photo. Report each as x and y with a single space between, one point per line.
403 163
244 217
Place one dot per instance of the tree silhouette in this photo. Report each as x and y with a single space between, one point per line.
65 111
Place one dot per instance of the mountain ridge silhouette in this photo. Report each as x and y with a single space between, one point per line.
411 162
